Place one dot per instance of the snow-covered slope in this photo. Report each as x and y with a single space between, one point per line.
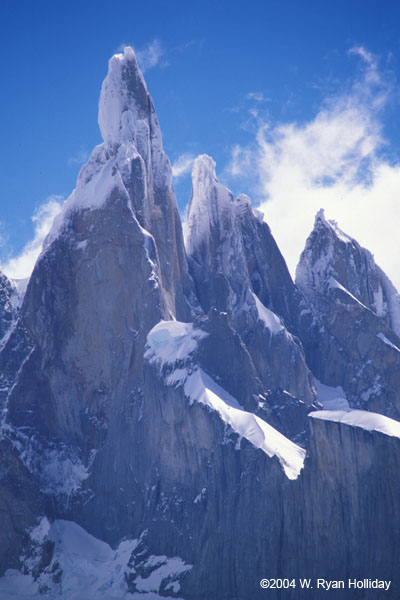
331 398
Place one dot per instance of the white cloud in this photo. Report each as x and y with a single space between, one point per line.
21 266
334 161
149 55
182 165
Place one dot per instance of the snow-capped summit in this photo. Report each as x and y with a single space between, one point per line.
130 175
131 159
332 260
124 100
113 265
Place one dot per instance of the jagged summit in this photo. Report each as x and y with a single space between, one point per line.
333 260
331 224
231 250
131 159
129 175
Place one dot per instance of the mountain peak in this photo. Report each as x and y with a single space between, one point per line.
210 208
333 260
123 100
332 227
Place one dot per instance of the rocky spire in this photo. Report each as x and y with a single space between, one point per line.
113 265
238 269
332 259
124 101
231 249
213 242
131 166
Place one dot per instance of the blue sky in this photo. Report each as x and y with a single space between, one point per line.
297 101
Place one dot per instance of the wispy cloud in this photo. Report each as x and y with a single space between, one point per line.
182 165
149 56
334 161
256 96
80 157
21 266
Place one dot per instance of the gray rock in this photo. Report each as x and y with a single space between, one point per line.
348 322
238 269
8 305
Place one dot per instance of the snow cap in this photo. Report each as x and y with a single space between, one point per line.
123 99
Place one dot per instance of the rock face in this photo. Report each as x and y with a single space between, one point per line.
238 269
8 305
349 323
158 411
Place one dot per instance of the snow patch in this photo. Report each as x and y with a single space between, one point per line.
57 467
269 318
62 475
41 531
334 284
172 341
331 398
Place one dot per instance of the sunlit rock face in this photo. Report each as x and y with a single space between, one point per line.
159 432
